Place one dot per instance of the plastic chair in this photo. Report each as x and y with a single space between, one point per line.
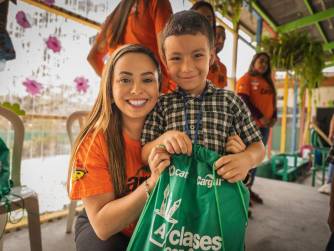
21 196
80 117
319 156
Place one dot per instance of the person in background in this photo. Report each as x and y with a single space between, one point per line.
217 73
106 171
257 90
326 188
330 159
132 22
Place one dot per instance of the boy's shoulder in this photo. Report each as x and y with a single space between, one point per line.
223 93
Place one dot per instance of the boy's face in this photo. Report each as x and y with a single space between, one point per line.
188 59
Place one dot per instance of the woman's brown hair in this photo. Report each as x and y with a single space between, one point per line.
107 118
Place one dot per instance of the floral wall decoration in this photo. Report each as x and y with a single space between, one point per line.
49 2
32 87
53 44
81 84
23 19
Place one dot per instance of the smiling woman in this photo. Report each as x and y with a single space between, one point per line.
108 152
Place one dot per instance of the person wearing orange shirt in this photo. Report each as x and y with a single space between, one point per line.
132 22
257 90
106 171
217 72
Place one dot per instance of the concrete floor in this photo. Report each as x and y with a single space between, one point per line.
292 218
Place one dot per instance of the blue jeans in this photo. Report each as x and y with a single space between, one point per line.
330 172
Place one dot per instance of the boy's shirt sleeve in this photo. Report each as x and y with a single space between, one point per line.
154 124
243 123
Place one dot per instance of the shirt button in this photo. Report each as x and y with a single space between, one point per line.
192 127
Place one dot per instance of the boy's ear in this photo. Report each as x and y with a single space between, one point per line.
212 56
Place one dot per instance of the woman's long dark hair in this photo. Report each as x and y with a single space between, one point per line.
113 27
267 74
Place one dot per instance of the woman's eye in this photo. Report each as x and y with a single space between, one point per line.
148 80
125 81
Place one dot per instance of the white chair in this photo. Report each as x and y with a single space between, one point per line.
21 196
80 117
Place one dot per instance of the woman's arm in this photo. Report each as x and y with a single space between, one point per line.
109 216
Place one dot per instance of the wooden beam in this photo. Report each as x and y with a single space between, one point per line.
64 13
306 21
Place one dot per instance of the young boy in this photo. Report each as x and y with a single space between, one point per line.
197 110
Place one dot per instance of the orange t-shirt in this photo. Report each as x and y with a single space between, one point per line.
91 172
218 74
260 93
143 28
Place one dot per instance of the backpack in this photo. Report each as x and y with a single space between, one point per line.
5 183
192 208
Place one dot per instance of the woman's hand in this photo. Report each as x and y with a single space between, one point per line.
158 160
235 144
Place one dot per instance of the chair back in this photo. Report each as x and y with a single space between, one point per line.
78 116
18 127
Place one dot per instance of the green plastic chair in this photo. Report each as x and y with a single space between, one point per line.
318 149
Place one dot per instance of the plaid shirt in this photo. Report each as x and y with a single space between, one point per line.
223 114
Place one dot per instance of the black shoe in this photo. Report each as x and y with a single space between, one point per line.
255 197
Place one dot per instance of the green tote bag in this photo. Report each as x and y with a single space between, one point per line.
192 208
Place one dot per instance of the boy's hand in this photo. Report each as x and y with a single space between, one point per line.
177 142
233 167
235 144
158 160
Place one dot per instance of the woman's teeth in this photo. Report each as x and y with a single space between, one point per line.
137 102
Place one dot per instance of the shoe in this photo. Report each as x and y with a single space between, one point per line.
325 189
255 197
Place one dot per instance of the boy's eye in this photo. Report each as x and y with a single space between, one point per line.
198 55
174 58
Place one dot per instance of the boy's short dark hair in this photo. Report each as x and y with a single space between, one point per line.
188 22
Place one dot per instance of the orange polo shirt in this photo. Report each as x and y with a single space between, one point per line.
218 74
91 169
260 93
143 28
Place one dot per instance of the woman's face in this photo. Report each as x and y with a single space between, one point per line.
261 64
205 11
135 85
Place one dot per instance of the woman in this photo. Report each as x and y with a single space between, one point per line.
257 90
132 22
106 168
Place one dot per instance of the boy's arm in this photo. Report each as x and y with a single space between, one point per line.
235 167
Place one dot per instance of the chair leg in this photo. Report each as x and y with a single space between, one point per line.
3 222
71 214
34 223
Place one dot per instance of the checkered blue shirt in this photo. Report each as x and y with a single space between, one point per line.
223 114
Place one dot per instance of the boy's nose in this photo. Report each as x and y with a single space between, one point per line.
187 65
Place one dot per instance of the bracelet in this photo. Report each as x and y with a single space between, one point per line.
147 189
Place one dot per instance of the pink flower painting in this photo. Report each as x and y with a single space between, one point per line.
81 84
32 87
53 44
49 2
22 19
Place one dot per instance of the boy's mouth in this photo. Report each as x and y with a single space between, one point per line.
137 102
